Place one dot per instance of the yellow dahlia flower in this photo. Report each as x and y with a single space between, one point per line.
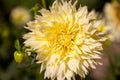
66 40
112 16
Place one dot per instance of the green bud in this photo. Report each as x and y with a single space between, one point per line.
18 56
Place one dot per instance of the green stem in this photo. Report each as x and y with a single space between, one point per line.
43 3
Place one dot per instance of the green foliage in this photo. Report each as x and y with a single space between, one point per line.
17 45
36 8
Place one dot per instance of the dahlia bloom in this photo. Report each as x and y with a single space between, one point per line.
67 40
112 16
20 15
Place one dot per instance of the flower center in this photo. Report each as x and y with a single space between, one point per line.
64 39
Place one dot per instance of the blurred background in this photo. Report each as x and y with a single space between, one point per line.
14 14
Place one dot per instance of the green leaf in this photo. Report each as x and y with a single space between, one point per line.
23 48
17 45
36 8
